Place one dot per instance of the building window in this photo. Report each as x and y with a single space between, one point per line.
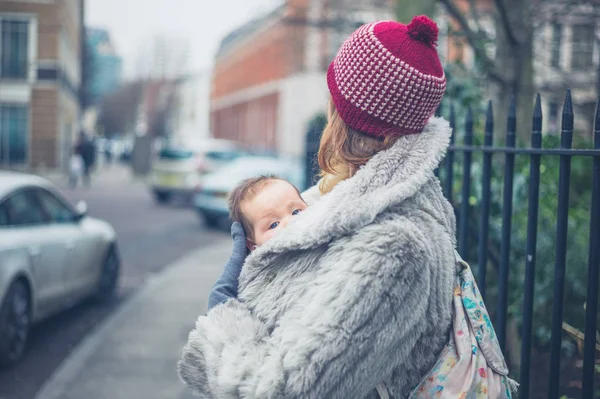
556 42
13 134
582 47
14 48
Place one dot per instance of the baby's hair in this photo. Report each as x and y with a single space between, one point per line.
244 191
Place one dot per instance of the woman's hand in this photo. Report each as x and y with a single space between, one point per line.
226 286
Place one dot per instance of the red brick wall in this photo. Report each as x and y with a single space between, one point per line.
253 122
44 111
261 60
265 56
70 23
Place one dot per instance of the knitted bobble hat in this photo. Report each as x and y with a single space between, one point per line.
387 78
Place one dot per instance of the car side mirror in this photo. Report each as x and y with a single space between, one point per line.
81 210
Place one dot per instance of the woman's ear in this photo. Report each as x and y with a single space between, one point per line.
250 244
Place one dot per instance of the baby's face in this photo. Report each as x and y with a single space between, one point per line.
271 209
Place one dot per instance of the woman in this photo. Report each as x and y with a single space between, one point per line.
357 291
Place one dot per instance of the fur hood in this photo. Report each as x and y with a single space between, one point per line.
355 291
388 179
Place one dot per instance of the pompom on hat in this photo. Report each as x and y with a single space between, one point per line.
387 78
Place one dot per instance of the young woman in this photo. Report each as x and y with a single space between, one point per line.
357 290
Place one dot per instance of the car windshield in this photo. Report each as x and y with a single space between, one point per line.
224 156
175 154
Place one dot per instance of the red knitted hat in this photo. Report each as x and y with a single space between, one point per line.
387 77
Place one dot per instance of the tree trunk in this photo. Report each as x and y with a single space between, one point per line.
407 9
515 60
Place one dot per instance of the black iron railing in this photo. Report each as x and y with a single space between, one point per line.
474 229
506 154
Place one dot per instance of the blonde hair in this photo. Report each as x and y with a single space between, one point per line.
343 150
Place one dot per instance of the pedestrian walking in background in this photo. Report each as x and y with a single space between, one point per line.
75 169
86 149
361 294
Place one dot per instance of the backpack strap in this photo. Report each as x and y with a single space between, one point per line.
479 318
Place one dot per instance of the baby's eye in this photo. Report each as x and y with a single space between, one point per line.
296 211
273 225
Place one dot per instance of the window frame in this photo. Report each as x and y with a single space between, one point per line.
579 48
4 158
31 45
555 50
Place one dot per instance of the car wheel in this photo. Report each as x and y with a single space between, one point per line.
109 276
162 197
15 321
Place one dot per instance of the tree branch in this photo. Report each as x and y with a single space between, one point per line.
510 33
475 41
475 14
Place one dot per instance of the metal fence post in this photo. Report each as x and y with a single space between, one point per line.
486 180
566 140
509 167
532 222
466 186
591 309
535 152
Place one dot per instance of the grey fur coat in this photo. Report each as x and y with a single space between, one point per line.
355 291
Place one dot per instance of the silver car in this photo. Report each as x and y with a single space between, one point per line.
179 169
52 256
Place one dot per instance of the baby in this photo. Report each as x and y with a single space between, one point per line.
259 207
264 205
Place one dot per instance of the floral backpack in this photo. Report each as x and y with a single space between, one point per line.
471 365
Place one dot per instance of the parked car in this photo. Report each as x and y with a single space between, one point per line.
179 168
52 256
211 200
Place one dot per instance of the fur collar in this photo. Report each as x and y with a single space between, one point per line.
389 178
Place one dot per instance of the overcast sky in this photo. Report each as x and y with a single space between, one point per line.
134 24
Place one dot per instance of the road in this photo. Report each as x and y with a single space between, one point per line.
149 236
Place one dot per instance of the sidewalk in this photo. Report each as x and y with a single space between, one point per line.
113 174
134 353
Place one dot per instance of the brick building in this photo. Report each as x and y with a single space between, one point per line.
269 81
40 75
566 42
567 55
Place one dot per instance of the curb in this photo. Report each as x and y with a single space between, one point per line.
72 365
